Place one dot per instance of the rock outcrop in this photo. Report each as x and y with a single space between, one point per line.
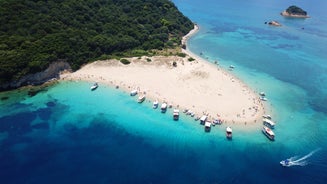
53 71
294 11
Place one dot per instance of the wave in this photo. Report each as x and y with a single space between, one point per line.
296 161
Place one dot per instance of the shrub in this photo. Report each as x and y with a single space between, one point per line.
181 54
125 61
191 59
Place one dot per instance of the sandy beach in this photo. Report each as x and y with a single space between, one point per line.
197 85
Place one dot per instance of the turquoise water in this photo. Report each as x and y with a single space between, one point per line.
69 134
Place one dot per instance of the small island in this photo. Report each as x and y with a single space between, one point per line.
273 23
294 11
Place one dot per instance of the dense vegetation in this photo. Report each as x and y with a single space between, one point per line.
35 33
294 10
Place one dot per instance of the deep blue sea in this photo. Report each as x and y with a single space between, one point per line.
69 134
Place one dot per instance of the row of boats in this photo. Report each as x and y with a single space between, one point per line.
203 120
268 125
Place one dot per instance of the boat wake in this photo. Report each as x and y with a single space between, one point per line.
296 161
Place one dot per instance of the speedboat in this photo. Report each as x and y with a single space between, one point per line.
285 163
269 123
268 132
94 86
229 133
163 107
176 114
141 99
155 104
133 92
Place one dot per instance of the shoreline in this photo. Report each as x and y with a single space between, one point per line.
200 86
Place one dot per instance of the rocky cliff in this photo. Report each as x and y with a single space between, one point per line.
51 72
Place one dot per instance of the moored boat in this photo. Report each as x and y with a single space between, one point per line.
207 126
266 116
229 133
155 104
269 133
176 114
133 92
163 107
94 86
141 99
269 123
203 119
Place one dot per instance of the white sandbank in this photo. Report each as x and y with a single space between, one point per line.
199 86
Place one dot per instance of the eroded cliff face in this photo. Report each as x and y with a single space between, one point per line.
53 71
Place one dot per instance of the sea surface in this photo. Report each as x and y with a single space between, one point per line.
69 134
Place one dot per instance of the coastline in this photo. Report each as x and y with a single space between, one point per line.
285 14
200 86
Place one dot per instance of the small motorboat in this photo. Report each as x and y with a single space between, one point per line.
229 133
141 99
164 107
155 104
207 126
176 114
285 163
94 86
133 92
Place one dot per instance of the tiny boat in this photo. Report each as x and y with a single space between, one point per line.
207 126
262 93
229 132
231 66
285 163
133 92
263 98
203 119
141 99
176 114
155 104
268 132
185 110
163 107
266 116
189 112
269 123
94 86
197 118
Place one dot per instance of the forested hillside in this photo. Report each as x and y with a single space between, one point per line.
35 33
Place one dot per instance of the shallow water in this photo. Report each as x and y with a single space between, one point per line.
69 134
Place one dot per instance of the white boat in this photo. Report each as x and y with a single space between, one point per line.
263 98
155 104
268 132
176 114
266 116
163 107
285 163
141 99
203 119
94 86
269 123
262 93
229 132
207 126
133 92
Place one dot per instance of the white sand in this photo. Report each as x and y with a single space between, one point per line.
199 86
